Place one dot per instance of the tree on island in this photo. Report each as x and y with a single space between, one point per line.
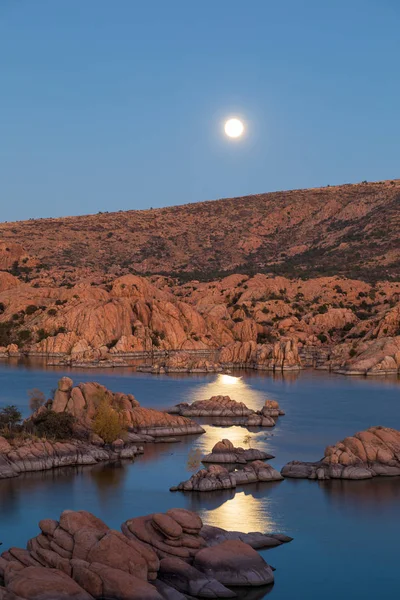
10 416
36 399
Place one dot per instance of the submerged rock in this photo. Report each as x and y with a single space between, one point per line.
367 454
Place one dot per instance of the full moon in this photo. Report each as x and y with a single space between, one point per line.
234 128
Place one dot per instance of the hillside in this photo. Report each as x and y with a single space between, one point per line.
348 230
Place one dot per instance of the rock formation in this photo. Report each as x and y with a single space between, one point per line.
83 400
217 477
157 557
367 454
259 322
226 412
31 455
225 452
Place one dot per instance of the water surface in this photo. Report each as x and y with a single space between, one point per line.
346 533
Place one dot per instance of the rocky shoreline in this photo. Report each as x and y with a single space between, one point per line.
34 455
162 556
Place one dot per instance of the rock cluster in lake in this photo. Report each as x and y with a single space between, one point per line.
216 477
226 411
31 455
225 452
83 400
367 454
168 556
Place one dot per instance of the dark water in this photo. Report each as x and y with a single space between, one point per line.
346 534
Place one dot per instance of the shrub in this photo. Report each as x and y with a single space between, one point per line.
2 307
107 423
24 336
52 312
60 330
42 334
31 309
10 416
55 425
352 352
322 338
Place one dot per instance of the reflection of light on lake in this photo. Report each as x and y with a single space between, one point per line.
244 513
235 434
228 379
227 385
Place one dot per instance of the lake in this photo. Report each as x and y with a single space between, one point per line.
346 534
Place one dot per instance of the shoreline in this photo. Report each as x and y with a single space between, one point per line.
154 369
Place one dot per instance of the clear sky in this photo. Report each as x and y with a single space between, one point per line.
120 104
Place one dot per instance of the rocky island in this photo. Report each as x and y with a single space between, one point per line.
227 411
371 453
224 452
216 477
163 556
84 425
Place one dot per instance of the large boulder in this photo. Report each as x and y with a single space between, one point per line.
189 580
234 563
39 583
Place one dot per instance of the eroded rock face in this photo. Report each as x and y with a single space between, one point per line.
217 477
83 400
378 357
367 454
225 452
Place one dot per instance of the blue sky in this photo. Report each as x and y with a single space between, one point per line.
117 105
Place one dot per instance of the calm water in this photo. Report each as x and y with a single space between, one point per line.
346 534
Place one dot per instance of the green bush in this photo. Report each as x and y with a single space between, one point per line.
55 425
31 309
10 416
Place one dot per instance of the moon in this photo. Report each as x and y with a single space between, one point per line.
234 128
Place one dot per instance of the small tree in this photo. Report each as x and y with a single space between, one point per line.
194 459
107 423
247 440
10 416
36 399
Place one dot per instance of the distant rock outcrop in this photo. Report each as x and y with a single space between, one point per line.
367 454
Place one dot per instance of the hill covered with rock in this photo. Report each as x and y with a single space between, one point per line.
70 288
346 230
